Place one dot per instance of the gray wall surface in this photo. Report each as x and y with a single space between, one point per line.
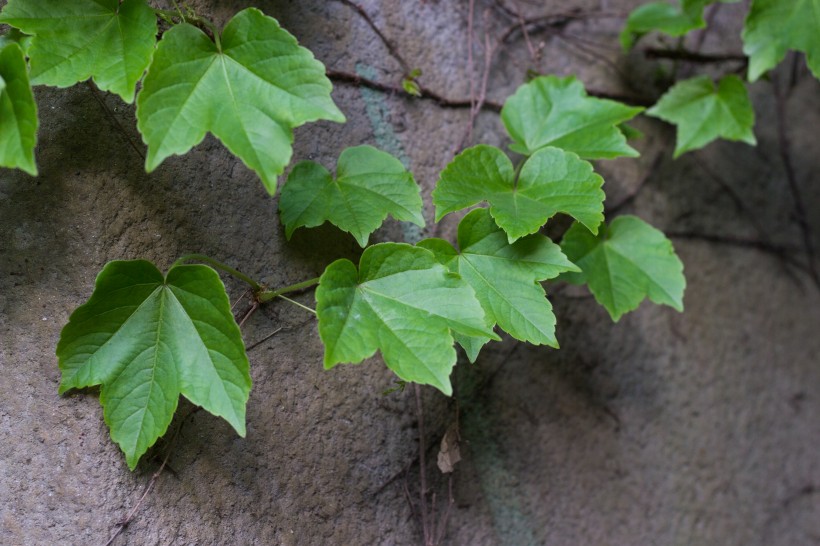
664 429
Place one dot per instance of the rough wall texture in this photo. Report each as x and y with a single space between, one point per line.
665 429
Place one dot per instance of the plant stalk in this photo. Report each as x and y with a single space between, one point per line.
257 288
267 295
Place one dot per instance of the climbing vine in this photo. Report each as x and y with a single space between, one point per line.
146 336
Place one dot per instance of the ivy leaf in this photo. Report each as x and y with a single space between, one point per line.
147 339
369 185
250 92
773 26
18 111
668 18
506 276
704 113
402 302
628 261
550 181
74 40
553 111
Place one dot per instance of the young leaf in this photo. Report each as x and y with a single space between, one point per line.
550 181
109 40
628 261
703 113
506 276
664 17
660 16
775 26
553 111
147 339
18 111
402 302
369 185
250 93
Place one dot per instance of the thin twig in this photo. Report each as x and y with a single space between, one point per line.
391 47
422 467
253 308
263 340
124 523
425 93
791 178
113 119
693 56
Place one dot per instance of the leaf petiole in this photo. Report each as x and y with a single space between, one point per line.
257 288
267 295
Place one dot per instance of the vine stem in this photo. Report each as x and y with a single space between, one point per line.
257 288
267 295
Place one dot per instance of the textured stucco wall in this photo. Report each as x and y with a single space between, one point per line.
665 429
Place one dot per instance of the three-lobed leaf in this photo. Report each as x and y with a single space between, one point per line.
704 113
110 41
147 338
550 181
250 93
505 277
774 26
671 19
402 302
553 111
18 111
628 261
369 185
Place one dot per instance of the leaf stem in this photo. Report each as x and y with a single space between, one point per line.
297 304
219 265
267 295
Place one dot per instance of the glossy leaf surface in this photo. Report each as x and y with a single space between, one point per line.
553 111
108 40
147 339
369 185
402 302
628 261
250 93
550 181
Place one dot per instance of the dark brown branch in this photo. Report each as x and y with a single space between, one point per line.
391 47
782 252
693 56
791 179
124 523
113 119
426 94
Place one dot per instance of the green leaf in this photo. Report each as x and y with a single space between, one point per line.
704 113
74 40
402 302
628 261
661 16
18 111
250 94
506 276
147 339
550 181
369 185
775 26
664 17
553 111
